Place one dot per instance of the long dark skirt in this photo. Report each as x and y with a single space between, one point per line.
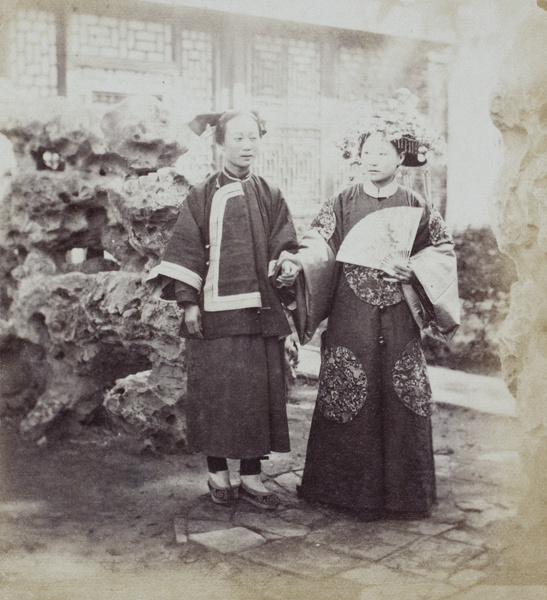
237 396
370 443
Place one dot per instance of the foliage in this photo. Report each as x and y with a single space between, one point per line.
485 276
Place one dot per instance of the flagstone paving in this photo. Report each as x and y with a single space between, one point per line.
448 555
302 550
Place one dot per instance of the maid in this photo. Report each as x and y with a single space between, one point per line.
231 230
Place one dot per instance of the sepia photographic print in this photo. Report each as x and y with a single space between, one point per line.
273 299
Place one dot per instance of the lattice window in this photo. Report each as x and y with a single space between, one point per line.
33 62
268 67
303 76
285 74
351 70
365 72
112 85
110 37
197 70
291 158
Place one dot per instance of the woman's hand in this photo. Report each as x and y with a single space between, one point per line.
403 273
192 319
288 273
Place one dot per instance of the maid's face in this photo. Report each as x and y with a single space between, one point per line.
241 143
380 159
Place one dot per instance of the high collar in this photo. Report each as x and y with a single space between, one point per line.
383 192
244 177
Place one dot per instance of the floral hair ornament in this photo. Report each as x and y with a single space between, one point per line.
400 123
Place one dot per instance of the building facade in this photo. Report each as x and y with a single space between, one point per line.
306 76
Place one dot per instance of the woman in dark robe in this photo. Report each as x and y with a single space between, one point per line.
370 444
231 230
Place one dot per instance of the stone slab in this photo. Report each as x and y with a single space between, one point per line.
235 539
473 505
304 517
374 574
306 560
481 561
488 517
202 526
371 541
431 556
445 512
427 527
467 537
267 523
270 536
467 578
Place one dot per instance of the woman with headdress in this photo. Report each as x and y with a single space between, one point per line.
231 229
370 443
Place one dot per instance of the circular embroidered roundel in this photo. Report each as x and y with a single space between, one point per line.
372 286
342 385
411 381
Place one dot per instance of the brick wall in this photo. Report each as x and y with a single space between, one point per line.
33 54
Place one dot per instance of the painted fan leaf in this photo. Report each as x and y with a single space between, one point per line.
382 238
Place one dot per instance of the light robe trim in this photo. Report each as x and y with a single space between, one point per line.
154 280
212 301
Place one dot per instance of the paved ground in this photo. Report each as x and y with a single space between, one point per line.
90 519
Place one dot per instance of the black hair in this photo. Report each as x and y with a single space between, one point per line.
220 130
364 137
401 145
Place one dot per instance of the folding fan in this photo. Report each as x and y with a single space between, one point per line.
382 239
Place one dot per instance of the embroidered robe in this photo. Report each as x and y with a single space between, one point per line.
370 444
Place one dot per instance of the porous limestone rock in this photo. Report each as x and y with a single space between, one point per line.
147 208
146 402
79 227
94 329
145 133
519 207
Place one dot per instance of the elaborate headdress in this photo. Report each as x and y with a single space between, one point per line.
401 124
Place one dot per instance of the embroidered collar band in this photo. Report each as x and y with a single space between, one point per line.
383 192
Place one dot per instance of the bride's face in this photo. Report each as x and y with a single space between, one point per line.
380 159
